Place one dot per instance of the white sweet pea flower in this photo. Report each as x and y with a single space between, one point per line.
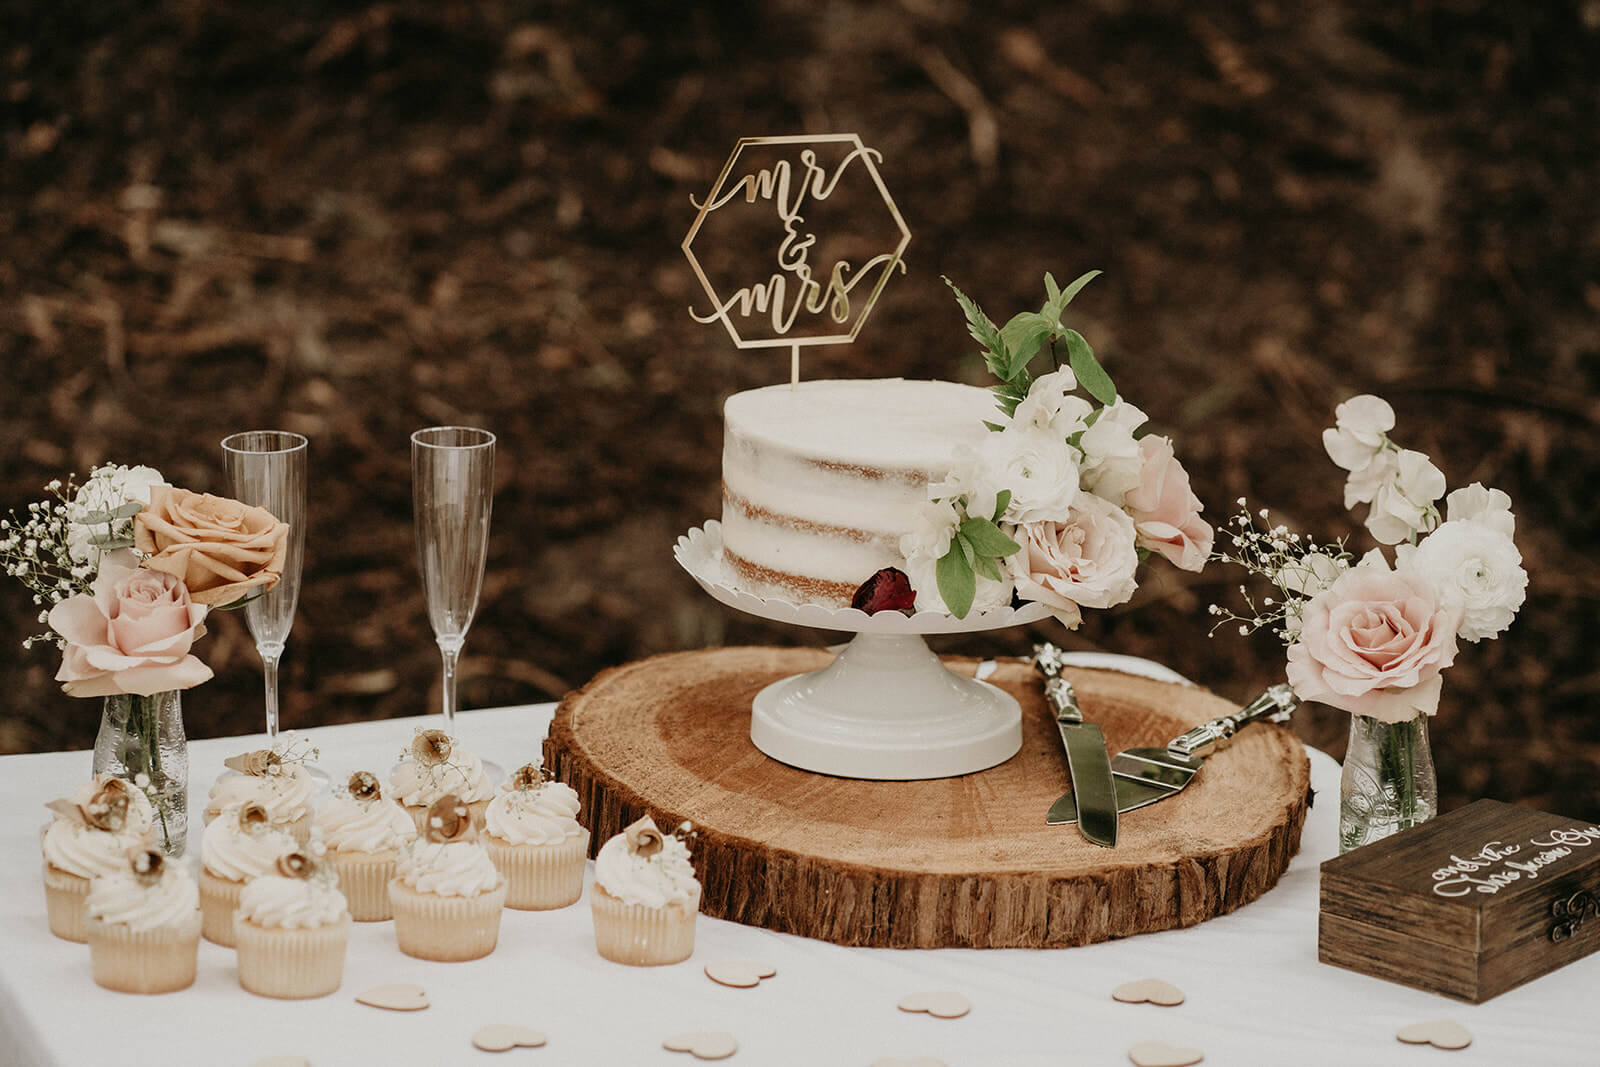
1363 422
1308 575
930 535
1475 569
968 480
1111 457
1474 503
1051 405
108 488
1404 505
1363 485
1039 468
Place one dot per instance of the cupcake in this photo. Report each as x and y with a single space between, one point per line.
144 925
292 927
240 844
531 831
447 895
436 766
90 836
645 897
364 834
276 779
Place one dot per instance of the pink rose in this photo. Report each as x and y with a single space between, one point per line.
130 634
1373 643
1087 561
1165 510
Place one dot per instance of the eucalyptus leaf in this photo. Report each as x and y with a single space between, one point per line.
94 518
1087 369
986 538
128 510
957 584
110 541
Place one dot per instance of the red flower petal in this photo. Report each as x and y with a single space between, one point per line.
888 590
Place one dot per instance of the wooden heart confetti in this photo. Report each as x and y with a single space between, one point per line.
501 1036
395 997
1148 991
717 1045
741 974
1440 1033
1161 1054
939 1005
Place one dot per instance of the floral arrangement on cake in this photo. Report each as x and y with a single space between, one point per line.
124 569
1065 498
1373 636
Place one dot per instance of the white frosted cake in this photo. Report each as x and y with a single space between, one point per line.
820 482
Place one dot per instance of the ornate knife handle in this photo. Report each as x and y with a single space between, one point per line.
1569 913
1274 705
1058 691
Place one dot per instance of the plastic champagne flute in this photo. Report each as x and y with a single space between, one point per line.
452 491
267 469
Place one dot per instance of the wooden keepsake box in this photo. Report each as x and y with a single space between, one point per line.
1469 904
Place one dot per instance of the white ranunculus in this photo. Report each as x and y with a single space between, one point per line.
1405 504
1308 575
1111 457
1363 421
1475 569
1477 504
107 489
1039 468
1051 405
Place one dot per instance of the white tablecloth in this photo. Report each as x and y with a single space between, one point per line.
1256 993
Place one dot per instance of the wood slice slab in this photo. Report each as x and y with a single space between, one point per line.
965 861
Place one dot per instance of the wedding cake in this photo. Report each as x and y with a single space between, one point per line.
820 480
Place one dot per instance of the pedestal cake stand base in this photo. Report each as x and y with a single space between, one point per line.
965 861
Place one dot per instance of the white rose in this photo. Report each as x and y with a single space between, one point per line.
1477 504
1359 437
1087 561
108 488
1404 504
1050 404
1475 569
1039 468
1111 457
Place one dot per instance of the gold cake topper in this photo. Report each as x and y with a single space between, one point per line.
802 305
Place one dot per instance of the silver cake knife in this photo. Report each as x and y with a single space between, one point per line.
1094 791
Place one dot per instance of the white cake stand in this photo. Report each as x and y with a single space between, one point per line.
886 708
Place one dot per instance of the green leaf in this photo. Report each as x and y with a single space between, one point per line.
986 538
988 568
995 426
983 330
968 553
957 585
1059 301
1052 290
1023 335
1090 374
1002 500
1009 394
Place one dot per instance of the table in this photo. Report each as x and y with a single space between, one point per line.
1256 993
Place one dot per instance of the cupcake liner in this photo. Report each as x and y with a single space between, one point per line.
641 936
219 899
161 960
364 881
419 815
64 897
540 877
431 927
291 964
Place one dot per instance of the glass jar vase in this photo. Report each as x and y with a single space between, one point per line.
1388 783
143 735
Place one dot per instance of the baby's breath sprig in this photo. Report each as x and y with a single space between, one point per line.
1297 567
290 747
34 550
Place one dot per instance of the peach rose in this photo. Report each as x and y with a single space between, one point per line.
130 634
1087 561
220 548
1373 643
1165 510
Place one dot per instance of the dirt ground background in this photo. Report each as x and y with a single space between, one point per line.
353 220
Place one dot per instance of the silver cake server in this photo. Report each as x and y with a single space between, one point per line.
1145 775
1095 795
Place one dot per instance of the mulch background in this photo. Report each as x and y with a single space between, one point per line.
356 219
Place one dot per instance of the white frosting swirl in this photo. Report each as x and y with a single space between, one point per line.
544 816
123 898
453 869
286 795
141 817
350 825
239 855
653 881
292 903
70 846
419 784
